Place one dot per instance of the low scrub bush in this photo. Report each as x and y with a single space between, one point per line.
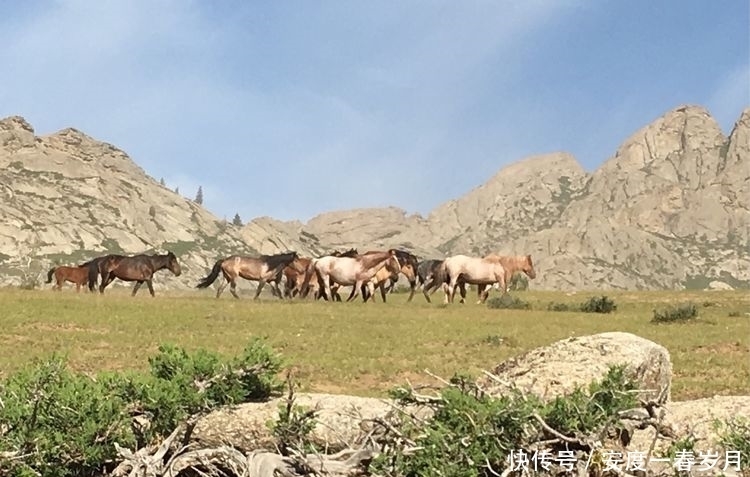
472 434
56 423
506 301
681 313
596 304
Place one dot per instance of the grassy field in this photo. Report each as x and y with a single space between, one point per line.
366 349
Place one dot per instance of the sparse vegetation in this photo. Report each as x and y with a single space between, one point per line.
507 301
59 423
671 314
237 220
199 196
598 304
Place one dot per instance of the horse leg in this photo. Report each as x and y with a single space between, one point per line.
136 287
150 286
382 291
480 292
233 290
222 287
355 290
413 286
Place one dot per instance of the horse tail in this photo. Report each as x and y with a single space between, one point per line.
211 276
49 275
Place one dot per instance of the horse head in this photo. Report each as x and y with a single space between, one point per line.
528 267
173 265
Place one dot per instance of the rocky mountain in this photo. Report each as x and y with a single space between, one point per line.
67 198
670 209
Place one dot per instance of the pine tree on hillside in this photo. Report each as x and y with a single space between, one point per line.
177 190
237 220
199 196
161 181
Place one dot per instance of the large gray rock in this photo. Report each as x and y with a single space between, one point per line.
340 421
559 368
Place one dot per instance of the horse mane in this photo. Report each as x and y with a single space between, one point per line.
405 257
274 261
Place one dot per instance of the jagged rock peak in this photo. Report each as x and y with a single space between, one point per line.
15 122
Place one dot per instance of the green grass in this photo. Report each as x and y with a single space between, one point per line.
365 349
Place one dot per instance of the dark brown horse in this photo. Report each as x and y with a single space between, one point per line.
99 266
263 269
77 275
138 268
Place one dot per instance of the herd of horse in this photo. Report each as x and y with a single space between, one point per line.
316 277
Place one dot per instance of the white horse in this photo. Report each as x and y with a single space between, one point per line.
348 271
472 270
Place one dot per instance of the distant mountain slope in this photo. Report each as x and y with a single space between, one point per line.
670 209
68 197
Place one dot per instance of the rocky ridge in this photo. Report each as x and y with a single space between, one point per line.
669 210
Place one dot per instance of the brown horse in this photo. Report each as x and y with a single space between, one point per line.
511 264
263 269
294 275
388 274
472 270
78 275
348 271
138 268
99 266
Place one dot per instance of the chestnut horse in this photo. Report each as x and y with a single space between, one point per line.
473 270
78 275
389 273
511 264
347 271
138 268
263 269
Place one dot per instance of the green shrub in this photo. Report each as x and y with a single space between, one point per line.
684 312
470 430
734 314
734 435
58 423
506 301
598 304
518 282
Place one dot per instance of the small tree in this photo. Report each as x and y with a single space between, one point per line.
199 196
161 181
237 220
177 190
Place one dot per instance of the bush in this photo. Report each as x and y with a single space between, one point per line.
58 423
734 435
598 304
506 301
518 282
684 312
471 431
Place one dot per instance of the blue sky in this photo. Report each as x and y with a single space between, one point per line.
290 109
